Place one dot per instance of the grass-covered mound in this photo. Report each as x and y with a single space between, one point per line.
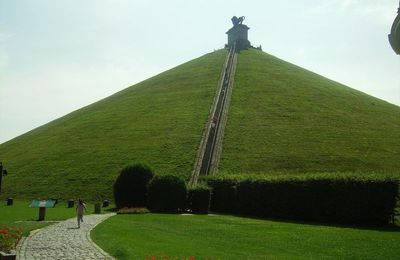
159 121
227 237
283 117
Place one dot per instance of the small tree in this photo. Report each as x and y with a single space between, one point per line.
167 193
130 188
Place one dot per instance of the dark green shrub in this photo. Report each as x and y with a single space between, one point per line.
199 199
324 198
130 188
167 193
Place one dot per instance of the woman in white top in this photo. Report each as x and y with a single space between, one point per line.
80 209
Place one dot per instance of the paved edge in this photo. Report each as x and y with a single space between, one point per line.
20 243
107 255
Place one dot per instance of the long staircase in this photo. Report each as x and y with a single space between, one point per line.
211 144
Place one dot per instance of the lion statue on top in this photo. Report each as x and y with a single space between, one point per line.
235 20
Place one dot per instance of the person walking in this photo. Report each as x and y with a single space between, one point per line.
80 209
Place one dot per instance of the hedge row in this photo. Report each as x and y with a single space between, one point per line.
169 193
199 199
324 198
136 187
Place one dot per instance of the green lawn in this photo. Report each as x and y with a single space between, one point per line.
20 214
229 237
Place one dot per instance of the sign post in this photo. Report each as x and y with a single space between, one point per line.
42 205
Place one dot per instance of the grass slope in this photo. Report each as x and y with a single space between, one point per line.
285 118
228 237
159 121
281 118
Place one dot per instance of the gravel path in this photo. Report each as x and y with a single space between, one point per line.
64 241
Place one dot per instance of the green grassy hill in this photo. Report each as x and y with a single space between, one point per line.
282 118
159 121
285 118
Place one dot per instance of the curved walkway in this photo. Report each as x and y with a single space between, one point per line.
64 241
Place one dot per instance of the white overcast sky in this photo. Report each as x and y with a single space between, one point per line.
58 56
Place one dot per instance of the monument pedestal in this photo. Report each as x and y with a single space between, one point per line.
238 34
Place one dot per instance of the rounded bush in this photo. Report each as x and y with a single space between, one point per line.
167 193
130 188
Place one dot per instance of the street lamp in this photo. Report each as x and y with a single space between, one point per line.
394 36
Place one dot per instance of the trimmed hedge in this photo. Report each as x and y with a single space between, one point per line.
199 199
130 187
167 193
224 194
321 198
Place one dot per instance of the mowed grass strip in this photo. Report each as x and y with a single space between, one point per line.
159 121
230 237
285 118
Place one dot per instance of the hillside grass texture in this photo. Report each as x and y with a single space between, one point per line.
285 118
159 121
228 237
282 118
